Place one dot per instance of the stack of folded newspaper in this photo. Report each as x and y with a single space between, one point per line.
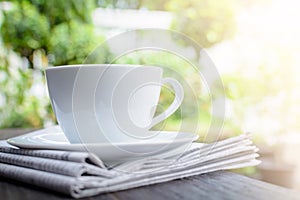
82 174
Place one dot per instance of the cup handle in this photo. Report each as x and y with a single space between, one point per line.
179 95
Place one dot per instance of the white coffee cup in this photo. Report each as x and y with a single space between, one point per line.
108 103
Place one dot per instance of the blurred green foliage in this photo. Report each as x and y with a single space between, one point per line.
205 21
63 29
25 29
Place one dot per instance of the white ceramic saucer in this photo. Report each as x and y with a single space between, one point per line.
54 138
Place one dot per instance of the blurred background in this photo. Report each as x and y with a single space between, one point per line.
254 44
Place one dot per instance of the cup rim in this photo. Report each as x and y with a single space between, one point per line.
77 66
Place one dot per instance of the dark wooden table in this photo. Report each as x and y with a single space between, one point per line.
216 185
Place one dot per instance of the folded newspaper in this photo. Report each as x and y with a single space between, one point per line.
82 174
